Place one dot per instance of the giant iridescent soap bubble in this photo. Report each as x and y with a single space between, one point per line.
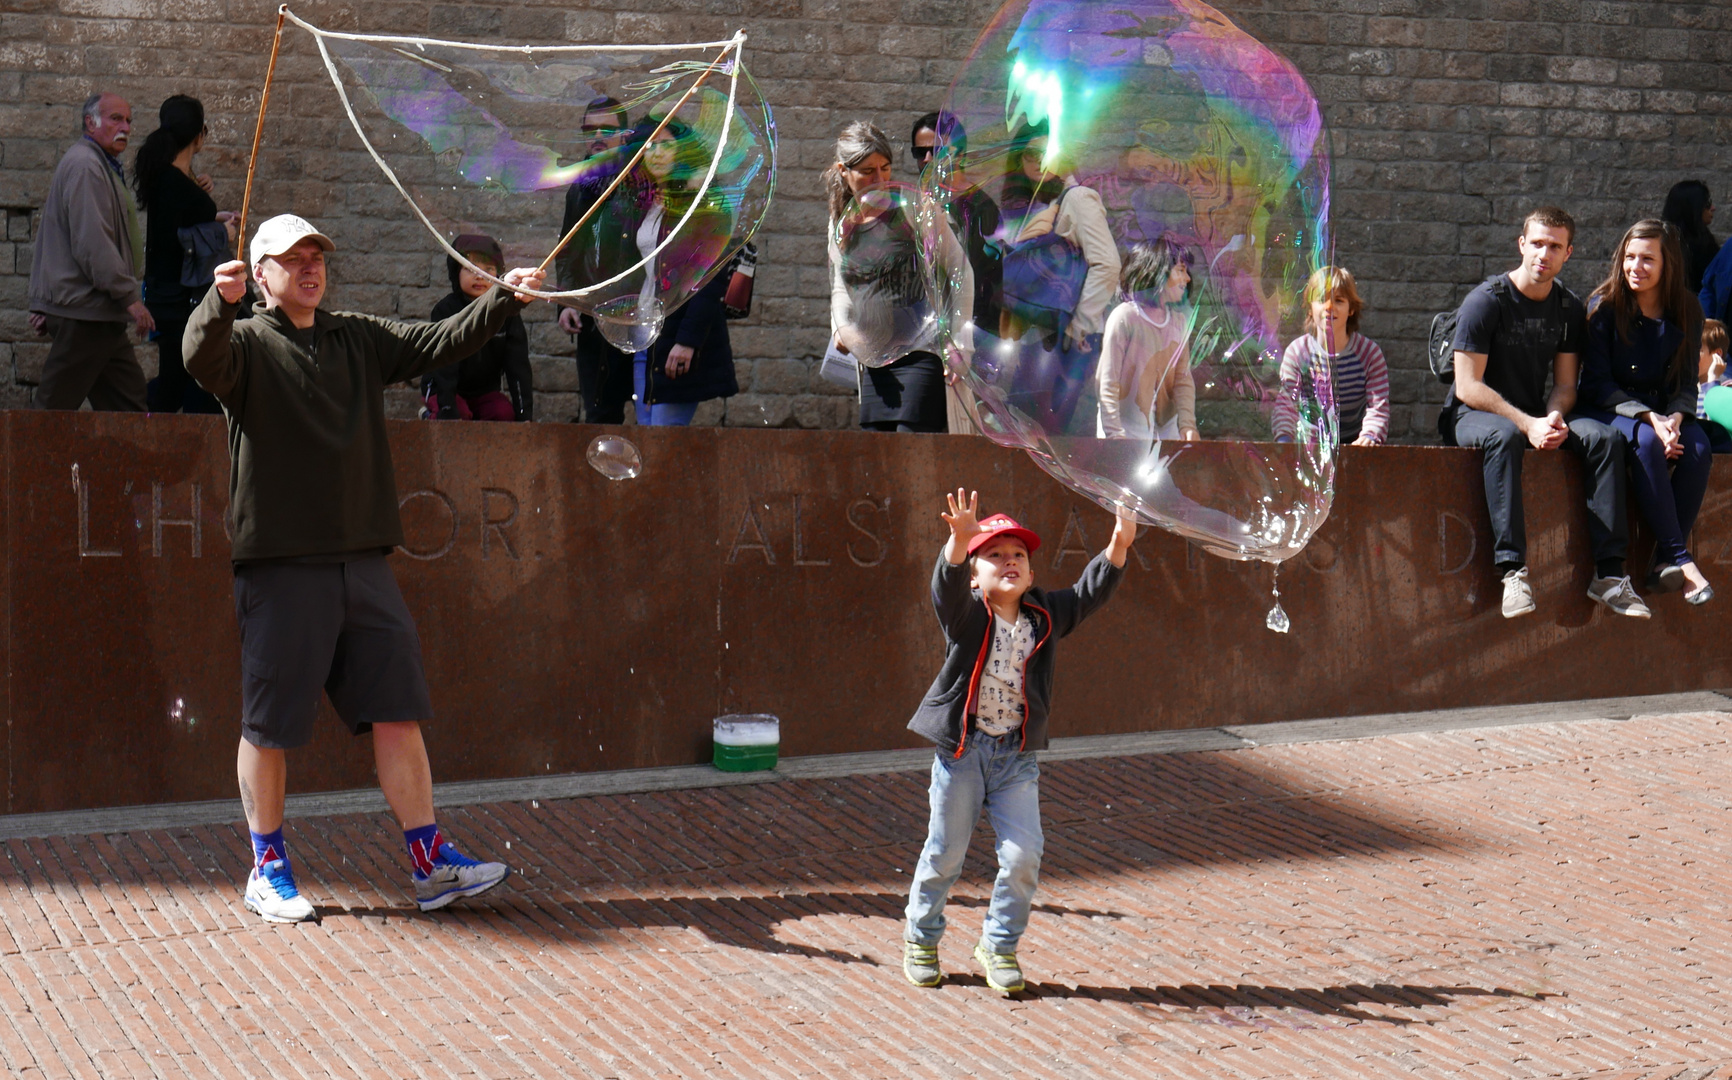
646 166
1142 189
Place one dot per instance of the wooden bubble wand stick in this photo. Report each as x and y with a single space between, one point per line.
635 158
259 131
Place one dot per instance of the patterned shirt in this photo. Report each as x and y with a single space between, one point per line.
1702 389
999 707
1361 385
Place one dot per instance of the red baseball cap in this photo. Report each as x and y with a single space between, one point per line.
997 525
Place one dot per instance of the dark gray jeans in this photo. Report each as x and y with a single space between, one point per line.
1599 446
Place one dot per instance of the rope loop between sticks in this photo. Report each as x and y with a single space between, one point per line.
730 60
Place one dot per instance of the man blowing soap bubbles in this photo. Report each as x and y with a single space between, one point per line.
313 512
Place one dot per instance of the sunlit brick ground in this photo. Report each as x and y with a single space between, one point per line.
1508 902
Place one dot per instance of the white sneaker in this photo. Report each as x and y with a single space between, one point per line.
1518 596
272 895
455 875
1619 594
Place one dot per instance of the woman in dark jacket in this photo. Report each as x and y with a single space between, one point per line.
178 210
469 389
692 360
646 221
1690 210
1639 375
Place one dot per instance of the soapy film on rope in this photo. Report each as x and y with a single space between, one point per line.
460 128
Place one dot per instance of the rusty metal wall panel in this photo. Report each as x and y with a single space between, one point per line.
571 623
119 610
6 690
568 621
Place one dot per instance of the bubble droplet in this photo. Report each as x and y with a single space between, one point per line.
1277 620
614 457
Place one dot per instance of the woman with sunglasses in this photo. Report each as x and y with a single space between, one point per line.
973 214
644 223
179 213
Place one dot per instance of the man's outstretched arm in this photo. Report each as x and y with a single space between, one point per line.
210 357
410 350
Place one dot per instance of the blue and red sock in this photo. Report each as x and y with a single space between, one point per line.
423 845
269 847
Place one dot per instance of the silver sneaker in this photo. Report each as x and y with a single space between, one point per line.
455 875
1003 973
920 964
271 894
1518 596
1619 594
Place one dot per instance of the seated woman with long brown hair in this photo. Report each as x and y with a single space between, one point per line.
1639 376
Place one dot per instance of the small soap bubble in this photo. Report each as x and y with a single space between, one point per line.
614 457
1135 195
637 330
180 717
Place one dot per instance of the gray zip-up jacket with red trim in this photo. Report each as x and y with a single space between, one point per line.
946 714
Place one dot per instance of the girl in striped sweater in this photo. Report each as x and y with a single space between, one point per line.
1354 363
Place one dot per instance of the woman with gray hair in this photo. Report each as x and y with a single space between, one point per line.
878 304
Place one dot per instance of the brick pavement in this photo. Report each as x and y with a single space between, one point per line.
1507 902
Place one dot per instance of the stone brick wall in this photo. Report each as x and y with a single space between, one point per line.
1450 118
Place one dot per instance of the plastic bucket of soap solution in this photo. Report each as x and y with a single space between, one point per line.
746 742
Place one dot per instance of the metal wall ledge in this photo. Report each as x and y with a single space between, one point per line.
573 624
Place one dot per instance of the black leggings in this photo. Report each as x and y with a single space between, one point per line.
173 390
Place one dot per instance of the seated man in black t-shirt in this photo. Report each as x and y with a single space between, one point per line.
1510 333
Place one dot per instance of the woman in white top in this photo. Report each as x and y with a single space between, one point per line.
1042 197
1146 388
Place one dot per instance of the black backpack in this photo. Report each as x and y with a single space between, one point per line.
1440 345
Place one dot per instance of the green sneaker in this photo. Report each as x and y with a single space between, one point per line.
1003 973
920 964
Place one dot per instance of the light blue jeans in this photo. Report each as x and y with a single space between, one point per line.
991 774
667 414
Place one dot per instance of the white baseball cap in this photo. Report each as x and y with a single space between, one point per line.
283 232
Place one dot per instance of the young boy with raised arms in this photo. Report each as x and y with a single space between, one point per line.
987 711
